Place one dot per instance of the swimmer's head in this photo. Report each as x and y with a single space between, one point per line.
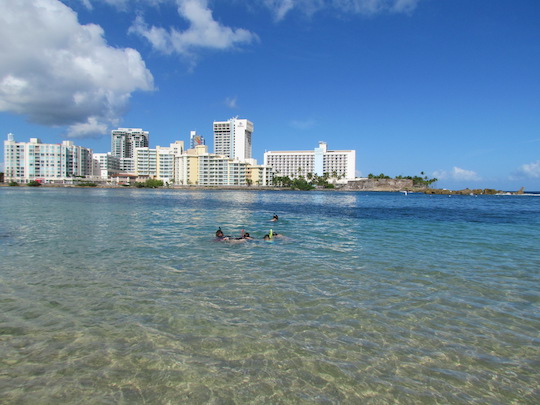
219 233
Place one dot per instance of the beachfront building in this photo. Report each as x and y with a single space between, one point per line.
259 175
105 165
45 163
200 168
158 163
124 141
195 139
232 138
144 162
335 163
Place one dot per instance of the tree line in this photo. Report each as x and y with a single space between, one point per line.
309 182
418 181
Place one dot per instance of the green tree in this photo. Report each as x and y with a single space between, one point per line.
301 184
154 183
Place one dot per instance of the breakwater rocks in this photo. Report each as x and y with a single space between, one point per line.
366 184
467 191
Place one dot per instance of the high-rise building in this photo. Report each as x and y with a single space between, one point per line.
319 161
43 162
195 139
124 141
232 138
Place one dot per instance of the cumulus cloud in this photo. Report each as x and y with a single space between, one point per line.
203 31
58 72
280 8
457 173
530 170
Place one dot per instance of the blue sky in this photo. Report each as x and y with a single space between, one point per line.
450 88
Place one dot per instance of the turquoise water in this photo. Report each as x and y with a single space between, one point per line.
123 296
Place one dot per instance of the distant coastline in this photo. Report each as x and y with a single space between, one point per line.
338 188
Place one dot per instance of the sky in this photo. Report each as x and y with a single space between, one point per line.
448 88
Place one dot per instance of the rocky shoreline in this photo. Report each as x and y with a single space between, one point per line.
406 185
467 191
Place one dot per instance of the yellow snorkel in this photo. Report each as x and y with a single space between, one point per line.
270 234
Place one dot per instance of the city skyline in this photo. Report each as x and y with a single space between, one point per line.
445 88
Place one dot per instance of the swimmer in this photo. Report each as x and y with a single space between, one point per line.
271 235
246 236
235 240
274 218
220 236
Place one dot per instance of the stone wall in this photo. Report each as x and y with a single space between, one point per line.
379 184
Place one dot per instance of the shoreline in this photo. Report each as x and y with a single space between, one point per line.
428 191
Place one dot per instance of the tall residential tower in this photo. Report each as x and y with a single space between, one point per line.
124 141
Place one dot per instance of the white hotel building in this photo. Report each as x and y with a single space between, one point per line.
44 162
336 163
232 138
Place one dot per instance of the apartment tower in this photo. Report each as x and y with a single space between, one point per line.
124 141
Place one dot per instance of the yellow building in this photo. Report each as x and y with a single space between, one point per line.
198 167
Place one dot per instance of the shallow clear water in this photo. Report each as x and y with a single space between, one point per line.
123 296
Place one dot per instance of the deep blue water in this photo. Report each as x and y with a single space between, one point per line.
123 296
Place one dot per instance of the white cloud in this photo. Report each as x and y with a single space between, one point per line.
463 174
280 8
231 102
58 72
303 124
531 170
457 174
203 31
87 4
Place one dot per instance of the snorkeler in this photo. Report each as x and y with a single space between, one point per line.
271 235
274 218
220 236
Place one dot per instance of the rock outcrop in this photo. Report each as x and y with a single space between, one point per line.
366 184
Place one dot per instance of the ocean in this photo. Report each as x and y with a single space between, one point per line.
123 296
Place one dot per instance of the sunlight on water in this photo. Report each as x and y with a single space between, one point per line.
123 296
